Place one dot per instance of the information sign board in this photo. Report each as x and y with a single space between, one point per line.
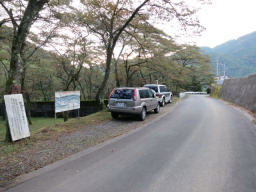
67 100
16 115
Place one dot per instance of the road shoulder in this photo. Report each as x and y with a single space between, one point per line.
68 147
248 114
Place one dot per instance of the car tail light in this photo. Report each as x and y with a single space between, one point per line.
134 94
111 93
159 96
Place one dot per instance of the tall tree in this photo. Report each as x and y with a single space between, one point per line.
21 30
193 68
108 19
21 15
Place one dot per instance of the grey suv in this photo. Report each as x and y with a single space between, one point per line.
130 100
164 95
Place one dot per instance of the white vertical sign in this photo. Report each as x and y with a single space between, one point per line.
17 118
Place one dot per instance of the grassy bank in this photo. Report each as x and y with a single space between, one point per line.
38 123
44 129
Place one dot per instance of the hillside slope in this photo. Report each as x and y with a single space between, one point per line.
239 56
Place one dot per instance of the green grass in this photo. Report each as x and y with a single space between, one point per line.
175 99
78 123
2 129
37 124
44 129
215 91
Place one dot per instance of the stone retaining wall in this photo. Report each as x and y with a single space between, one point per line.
240 91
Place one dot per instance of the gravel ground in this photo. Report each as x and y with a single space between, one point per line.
62 145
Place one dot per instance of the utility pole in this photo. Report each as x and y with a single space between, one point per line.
224 70
217 67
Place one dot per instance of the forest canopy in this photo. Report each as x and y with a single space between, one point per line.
93 46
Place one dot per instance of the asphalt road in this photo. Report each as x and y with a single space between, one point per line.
202 145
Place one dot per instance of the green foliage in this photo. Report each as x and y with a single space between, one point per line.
45 74
238 55
194 76
215 90
78 62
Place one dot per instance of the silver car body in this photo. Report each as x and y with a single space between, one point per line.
161 91
128 104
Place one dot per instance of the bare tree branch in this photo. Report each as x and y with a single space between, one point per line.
9 12
4 21
121 29
42 44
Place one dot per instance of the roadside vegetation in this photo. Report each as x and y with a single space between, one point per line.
215 90
44 129
38 124
113 43
136 53
50 143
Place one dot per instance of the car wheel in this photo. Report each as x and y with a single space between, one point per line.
157 109
163 103
170 100
143 114
114 115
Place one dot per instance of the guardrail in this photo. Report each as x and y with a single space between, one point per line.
182 94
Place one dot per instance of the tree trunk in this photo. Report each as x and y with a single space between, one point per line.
127 81
28 107
82 90
127 69
110 48
20 33
23 76
116 75
3 110
42 90
90 84
106 76
19 39
65 115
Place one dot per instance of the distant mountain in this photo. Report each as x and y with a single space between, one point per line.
239 56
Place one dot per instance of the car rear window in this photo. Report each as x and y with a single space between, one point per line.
123 94
163 89
153 87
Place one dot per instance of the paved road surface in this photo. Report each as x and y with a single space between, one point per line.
202 145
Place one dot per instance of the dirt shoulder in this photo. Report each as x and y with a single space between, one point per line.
250 115
55 143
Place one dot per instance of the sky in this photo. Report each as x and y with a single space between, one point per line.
226 20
